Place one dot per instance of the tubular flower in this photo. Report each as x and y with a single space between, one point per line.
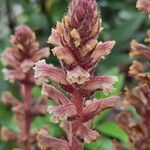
76 46
137 69
19 60
143 5
23 54
138 130
140 49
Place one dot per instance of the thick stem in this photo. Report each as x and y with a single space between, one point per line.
77 99
74 143
26 93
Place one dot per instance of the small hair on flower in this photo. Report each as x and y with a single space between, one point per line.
76 46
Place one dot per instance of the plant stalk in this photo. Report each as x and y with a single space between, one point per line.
77 99
26 92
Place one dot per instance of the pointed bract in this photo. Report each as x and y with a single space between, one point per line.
102 50
9 99
87 135
52 93
50 72
95 107
45 142
101 82
63 112
139 49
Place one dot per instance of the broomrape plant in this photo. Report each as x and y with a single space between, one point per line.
78 50
72 87
19 60
138 130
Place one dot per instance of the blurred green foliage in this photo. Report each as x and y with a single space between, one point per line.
121 22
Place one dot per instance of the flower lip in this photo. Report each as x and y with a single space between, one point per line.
77 75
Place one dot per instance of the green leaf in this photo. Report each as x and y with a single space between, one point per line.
36 91
104 143
113 60
125 31
6 118
6 145
101 118
44 122
111 129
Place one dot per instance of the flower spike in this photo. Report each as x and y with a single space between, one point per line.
19 60
76 46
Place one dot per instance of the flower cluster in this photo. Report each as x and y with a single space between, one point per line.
22 55
76 46
19 61
138 130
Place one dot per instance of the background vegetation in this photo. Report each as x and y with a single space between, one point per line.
121 22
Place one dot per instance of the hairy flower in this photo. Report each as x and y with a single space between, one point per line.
48 142
63 112
139 96
23 54
140 49
44 71
75 37
138 130
76 46
97 106
101 82
136 68
19 61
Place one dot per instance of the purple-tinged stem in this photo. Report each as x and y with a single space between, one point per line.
26 93
77 99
